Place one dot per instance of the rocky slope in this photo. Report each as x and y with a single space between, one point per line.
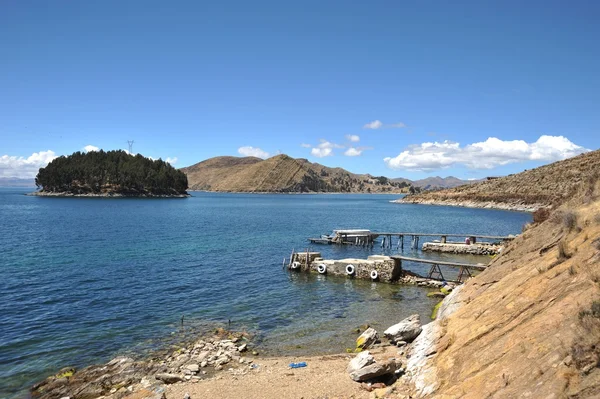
528 326
529 190
282 174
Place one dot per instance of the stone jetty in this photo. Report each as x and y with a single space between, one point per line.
480 248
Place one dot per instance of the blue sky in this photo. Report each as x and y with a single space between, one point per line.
464 88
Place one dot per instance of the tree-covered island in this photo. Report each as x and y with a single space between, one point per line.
111 173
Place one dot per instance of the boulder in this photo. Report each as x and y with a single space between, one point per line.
194 368
407 330
363 359
373 371
168 378
367 338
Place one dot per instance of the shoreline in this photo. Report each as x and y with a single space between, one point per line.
103 195
292 192
473 204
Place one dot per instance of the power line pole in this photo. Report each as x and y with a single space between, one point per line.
130 142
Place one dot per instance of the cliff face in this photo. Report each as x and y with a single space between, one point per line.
528 326
541 187
281 174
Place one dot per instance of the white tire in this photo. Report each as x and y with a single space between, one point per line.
350 270
322 268
374 275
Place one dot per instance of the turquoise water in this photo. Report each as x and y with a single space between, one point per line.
82 280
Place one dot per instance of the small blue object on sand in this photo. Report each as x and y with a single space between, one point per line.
298 365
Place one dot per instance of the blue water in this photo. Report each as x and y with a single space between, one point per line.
82 280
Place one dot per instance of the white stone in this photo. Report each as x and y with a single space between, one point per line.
407 330
361 360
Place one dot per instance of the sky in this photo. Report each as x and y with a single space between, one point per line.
395 88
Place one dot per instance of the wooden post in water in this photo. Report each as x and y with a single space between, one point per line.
443 240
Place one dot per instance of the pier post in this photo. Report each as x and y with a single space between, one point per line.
443 240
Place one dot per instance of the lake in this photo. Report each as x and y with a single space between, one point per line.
82 280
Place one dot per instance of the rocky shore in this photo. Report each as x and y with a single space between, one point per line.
507 206
104 195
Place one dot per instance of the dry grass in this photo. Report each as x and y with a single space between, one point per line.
586 351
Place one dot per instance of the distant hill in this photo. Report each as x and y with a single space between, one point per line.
548 185
282 174
16 182
436 182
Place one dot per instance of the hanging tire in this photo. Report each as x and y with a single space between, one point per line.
295 265
322 268
374 275
350 270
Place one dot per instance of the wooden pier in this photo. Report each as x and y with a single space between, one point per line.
436 272
386 242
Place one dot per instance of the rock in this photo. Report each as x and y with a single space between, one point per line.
194 368
242 348
367 338
407 330
363 359
203 356
400 344
168 378
222 360
204 364
373 371
255 353
186 396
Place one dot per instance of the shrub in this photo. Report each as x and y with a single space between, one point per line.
569 220
563 251
541 215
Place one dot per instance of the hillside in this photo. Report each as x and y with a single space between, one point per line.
529 190
282 174
529 325
435 182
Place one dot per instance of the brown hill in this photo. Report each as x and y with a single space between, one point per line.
282 174
545 186
529 325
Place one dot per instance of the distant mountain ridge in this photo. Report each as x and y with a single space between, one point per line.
436 182
16 182
283 174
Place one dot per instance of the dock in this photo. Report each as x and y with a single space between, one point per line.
435 272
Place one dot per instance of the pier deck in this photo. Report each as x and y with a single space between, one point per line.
436 272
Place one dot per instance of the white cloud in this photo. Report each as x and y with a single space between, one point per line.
376 124
352 152
90 147
25 168
483 155
304 145
321 152
249 151
170 160
353 138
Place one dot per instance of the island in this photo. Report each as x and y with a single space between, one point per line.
110 174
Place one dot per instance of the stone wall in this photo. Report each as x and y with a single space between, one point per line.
387 268
480 248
